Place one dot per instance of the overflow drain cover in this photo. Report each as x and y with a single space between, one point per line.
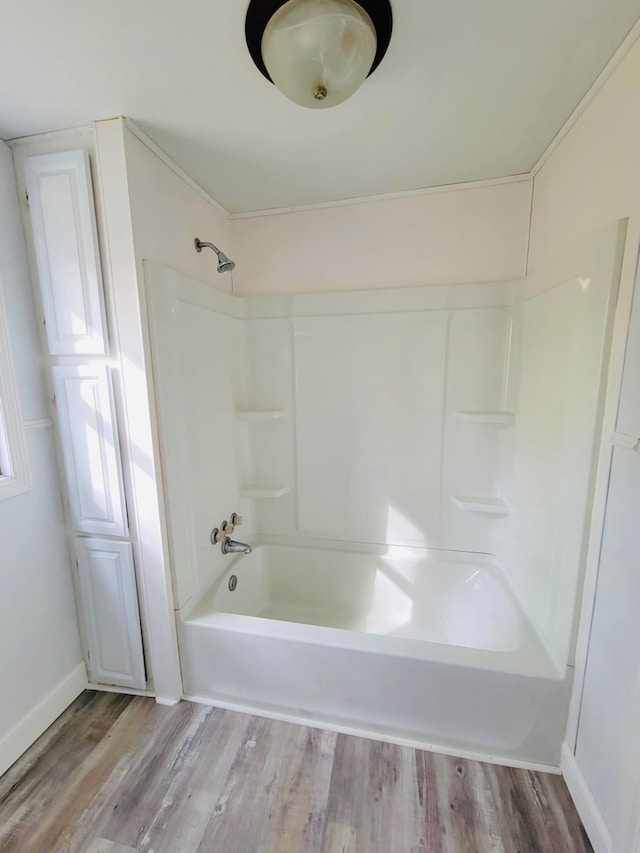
233 582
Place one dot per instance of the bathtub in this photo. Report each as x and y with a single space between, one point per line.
404 644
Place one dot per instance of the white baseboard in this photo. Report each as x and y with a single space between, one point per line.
38 719
591 816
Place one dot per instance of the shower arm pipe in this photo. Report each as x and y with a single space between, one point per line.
225 264
202 244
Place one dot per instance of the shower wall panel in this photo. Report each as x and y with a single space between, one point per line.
369 417
200 372
271 443
564 345
478 425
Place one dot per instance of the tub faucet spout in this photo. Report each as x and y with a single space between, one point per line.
230 546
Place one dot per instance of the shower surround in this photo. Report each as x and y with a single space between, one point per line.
418 459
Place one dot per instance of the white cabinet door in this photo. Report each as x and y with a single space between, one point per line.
110 604
66 249
91 454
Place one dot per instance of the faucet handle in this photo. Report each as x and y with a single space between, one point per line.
217 535
227 527
236 519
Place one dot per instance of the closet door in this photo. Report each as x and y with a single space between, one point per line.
91 454
110 604
66 249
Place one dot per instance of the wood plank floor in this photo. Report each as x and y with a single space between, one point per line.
116 774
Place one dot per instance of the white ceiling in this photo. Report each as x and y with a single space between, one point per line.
468 90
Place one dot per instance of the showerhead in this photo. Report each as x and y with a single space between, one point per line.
224 263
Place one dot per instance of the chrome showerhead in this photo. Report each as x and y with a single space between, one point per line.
224 263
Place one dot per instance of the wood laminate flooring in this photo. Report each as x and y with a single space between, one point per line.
117 774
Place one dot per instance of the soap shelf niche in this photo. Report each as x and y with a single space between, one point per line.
263 490
499 417
260 491
483 504
253 415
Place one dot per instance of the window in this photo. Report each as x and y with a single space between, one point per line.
14 471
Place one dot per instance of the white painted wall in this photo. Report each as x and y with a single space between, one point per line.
467 234
167 212
38 624
592 178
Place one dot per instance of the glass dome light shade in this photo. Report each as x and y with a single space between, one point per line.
318 52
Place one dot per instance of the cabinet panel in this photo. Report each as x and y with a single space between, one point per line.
66 249
88 433
110 604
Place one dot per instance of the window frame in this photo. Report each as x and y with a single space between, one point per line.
15 478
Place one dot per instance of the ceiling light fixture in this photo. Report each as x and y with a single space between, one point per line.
318 52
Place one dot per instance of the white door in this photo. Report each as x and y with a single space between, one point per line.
110 604
66 247
90 449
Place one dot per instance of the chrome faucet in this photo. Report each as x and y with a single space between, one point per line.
230 546
222 534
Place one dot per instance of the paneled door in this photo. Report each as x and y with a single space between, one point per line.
91 454
110 604
66 248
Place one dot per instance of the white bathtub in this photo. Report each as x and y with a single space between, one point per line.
406 644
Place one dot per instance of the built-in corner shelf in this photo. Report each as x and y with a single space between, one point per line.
265 490
495 418
488 505
260 414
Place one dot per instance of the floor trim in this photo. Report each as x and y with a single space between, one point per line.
39 718
370 734
590 814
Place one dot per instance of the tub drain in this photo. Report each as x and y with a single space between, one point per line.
233 583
